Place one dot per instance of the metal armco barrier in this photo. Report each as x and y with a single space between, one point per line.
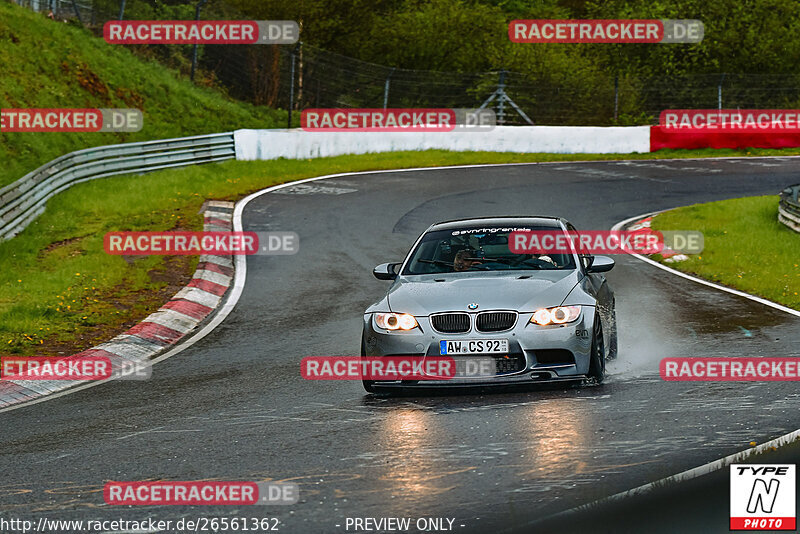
24 200
789 207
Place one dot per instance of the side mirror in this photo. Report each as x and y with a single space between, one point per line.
385 271
601 264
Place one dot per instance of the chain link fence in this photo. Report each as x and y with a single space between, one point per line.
324 79
62 9
302 76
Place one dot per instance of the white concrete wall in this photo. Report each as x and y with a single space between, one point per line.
298 144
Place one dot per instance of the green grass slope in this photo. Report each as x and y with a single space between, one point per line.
50 64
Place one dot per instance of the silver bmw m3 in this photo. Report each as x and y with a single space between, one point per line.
462 292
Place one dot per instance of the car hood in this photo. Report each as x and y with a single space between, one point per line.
524 291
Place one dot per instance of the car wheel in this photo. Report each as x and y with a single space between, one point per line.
612 333
368 384
597 365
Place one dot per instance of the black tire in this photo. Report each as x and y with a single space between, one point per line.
597 363
612 333
368 384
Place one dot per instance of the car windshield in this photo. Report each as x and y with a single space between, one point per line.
479 249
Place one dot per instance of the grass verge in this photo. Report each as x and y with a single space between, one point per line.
745 246
60 293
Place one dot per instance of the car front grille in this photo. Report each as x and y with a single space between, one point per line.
495 321
450 323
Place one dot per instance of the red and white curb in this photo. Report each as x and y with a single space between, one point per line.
669 255
159 331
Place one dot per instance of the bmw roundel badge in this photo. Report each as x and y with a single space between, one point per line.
473 306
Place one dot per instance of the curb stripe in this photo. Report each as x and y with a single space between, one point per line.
130 346
198 296
210 287
216 222
211 276
221 269
187 307
174 320
156 333
225 261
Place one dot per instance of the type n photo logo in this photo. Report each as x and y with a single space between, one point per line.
762 497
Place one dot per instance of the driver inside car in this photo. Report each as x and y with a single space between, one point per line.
464 260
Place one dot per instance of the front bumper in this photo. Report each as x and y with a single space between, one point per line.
536 353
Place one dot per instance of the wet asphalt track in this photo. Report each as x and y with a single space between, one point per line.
234 406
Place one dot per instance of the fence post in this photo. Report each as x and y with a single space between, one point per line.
386 88
200 4
291 84
77 11
616 97
121 10
719 92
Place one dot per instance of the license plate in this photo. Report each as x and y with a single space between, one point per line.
474 346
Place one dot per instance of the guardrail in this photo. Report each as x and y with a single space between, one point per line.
789 207
24 200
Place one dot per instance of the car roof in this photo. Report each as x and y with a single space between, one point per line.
547 222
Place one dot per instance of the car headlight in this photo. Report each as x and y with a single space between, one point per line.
395 321
557 315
